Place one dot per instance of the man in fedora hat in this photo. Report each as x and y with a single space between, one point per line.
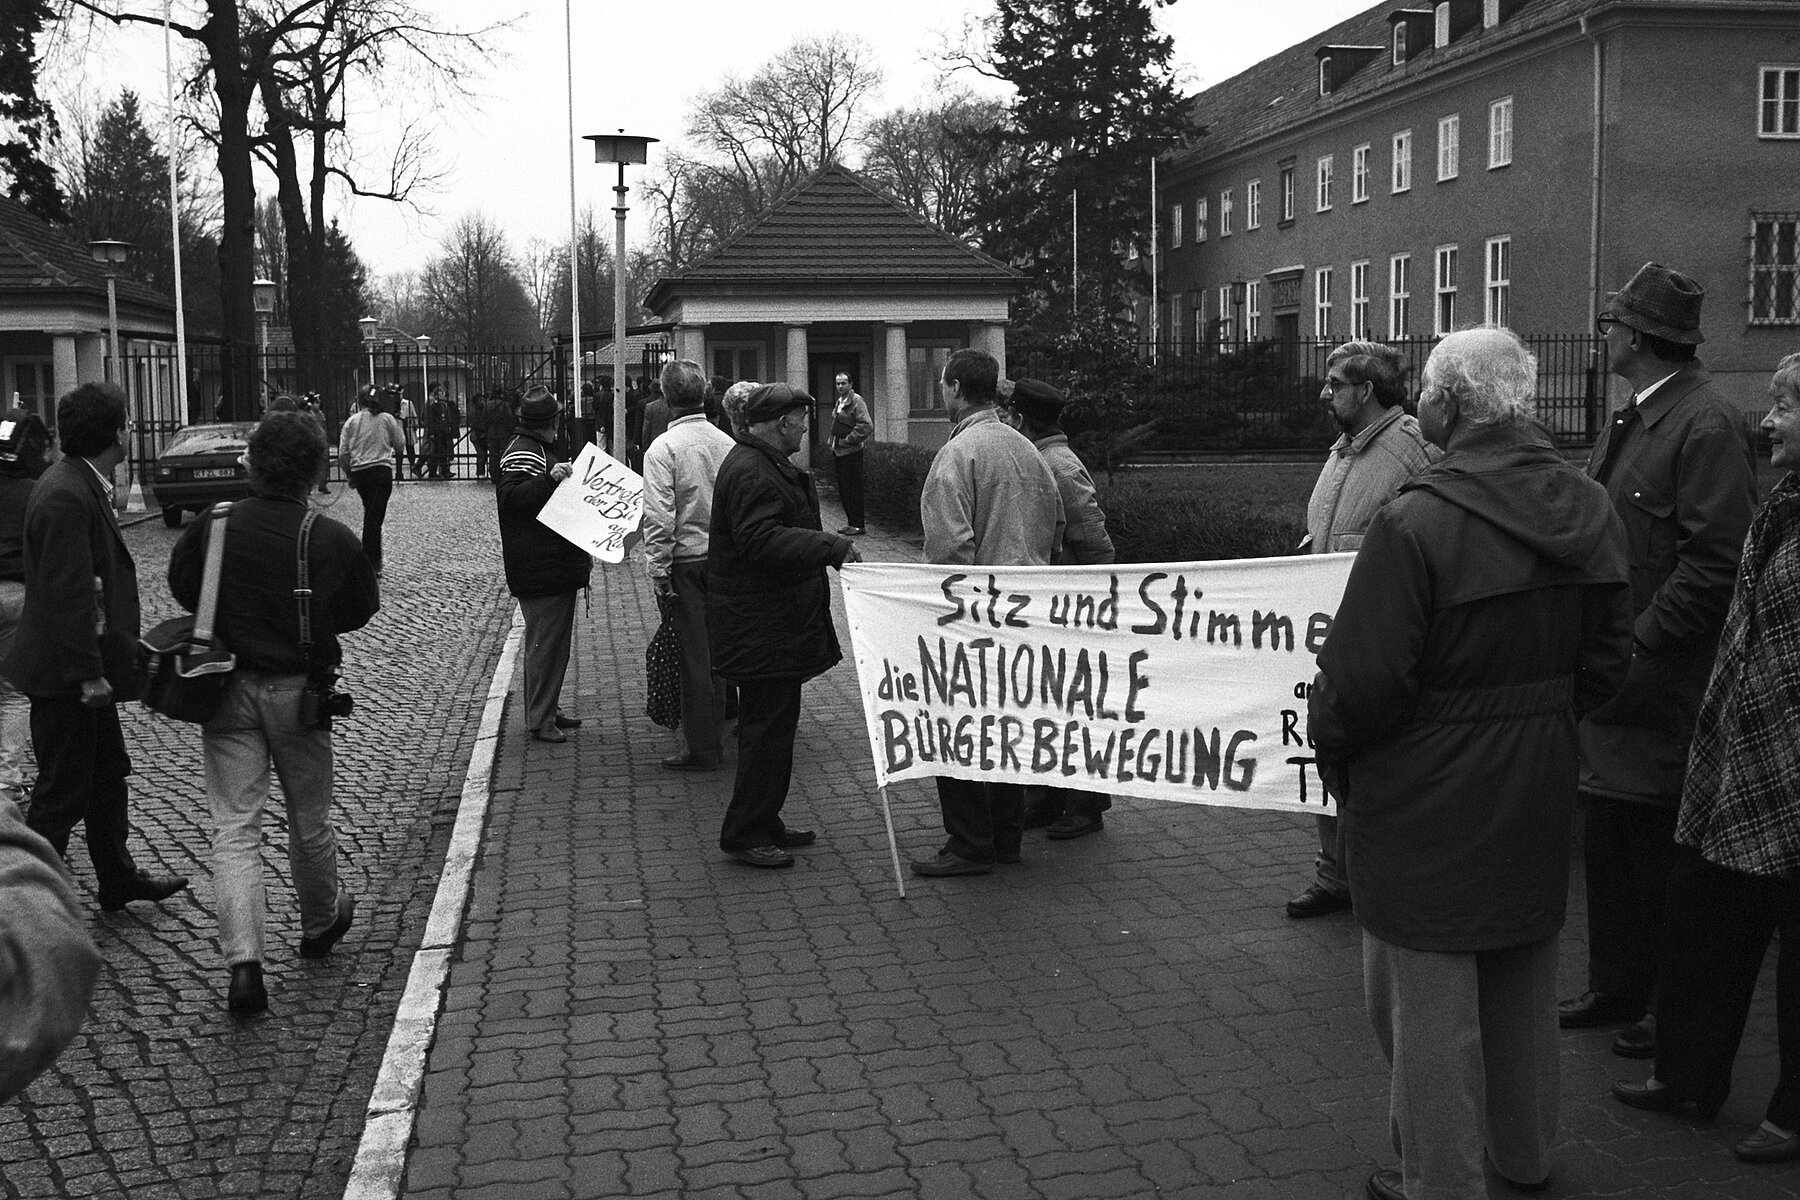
544 570
1677 466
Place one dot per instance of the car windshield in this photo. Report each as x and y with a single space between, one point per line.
210 439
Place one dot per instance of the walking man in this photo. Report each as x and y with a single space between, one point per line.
769 613
1675 463
544 570
680 469
75 652
988 500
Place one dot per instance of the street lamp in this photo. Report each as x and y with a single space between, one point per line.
620 148
262 298
424 340
111 255
368 325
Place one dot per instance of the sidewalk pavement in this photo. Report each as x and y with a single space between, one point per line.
630 1013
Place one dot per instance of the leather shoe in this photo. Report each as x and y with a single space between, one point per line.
139 886
1637 1041
1597 1008
771 857
1386 1184
1315 901
319 947
1763 1145
1643 1096
946 863
247 994
1074 825
790 838
687 762
564 721
550 733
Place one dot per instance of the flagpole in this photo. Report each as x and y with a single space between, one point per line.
181 375
574 399
887 815
1155 299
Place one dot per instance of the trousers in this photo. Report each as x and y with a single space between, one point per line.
82 767
549 626
1627 850
373 486
768 717
15 708
985 821
850 486
702 692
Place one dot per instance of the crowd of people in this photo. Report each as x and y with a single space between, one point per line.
1520 640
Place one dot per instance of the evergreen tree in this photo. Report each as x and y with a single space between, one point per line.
27 122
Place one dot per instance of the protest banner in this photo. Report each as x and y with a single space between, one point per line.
599 506
1173 681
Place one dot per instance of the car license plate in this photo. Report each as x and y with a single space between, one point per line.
215 473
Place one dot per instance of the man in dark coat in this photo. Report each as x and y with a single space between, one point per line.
75 653
769 613
1486 611
544 570
442 423
499 420
1678 469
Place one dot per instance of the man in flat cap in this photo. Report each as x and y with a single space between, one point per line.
988 500
543 569
1677 466
769 613
1036 410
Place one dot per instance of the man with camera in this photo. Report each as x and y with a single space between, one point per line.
282 696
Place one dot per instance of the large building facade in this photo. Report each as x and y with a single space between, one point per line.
1419 169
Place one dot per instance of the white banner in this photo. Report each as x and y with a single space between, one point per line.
1175 681
598 507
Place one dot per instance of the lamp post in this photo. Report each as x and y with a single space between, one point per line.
619 148
262 297
424 340
368 325
111 255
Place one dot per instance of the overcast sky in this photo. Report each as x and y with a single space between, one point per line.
639 67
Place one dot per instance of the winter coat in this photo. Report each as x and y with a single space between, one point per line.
768 611
1085 540
539 561
1487 609
989 498
1684 483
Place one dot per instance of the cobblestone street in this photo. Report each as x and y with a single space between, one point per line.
630 1014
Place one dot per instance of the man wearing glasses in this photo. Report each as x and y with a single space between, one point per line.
1677 466
1379 447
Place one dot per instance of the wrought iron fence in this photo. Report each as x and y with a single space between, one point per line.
1186 399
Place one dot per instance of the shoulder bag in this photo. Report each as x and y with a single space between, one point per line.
186 667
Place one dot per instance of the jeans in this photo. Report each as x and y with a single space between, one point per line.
15 709
259 720
373 486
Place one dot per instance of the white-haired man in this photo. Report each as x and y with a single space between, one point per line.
1488 608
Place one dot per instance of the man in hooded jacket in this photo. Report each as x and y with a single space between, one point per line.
1488 608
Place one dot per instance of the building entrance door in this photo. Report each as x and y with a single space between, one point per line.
822 370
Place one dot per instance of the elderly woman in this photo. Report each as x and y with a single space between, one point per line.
733 404
263 716
1736 874
1487 610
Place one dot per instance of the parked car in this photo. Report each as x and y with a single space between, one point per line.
200 467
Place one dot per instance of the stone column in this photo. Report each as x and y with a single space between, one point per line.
895 401
690 343
991 336
65 370
796 377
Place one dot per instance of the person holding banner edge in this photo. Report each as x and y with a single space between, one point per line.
1379 447
1488 608
988 499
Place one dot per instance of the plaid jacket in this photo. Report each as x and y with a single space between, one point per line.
1740 807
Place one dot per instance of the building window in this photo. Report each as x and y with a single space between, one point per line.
1224 317
1440 33
1497 298
1287 194
1449 146
1200 219
1197 310
1324 188
1225 213
1253 309
1399 43
1399 295
924 367
737 360
1500 114
1253 204
1325 75
1780 102
1322 303
1403 161
1175 228
1359 300
1444 314
1359 174
1775 269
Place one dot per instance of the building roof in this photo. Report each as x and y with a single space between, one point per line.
1282 91
837 230
38 259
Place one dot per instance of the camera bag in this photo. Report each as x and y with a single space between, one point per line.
186 667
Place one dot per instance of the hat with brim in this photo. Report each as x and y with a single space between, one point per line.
1661 302
539 406
1037 401
771 400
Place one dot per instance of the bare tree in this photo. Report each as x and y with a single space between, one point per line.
471 295
928 158
539 267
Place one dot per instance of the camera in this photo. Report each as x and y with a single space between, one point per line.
321 701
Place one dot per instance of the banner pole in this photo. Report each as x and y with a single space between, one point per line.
887 815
